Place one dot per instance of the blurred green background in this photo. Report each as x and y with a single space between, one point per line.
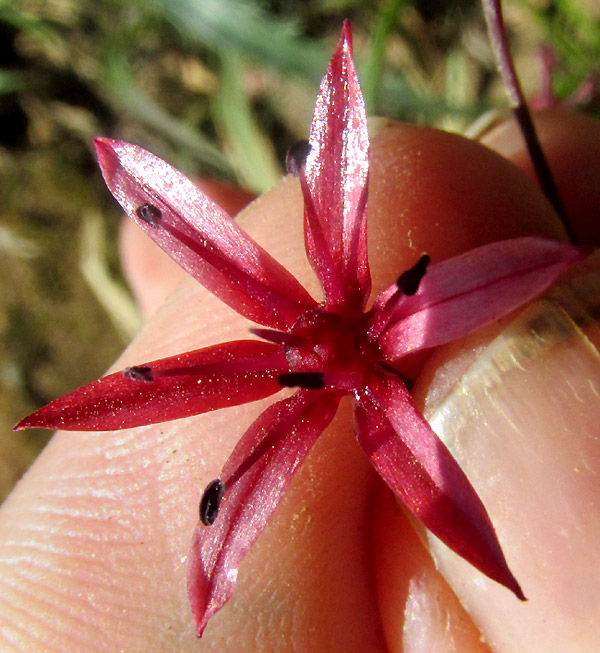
219 88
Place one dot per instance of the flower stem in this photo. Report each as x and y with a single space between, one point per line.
492 10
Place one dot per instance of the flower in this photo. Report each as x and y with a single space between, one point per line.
585 94
325 351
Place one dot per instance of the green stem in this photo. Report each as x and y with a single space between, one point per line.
386 17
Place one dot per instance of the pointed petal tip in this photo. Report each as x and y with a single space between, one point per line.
107 157
500 573
37 421
347 34
100 141
576 253
109 143
345 44
201 610
32 422
110 151
22 425
515 588
103 145
498 570
200 628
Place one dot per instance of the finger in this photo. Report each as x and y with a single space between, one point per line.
520 411
522 418
106 519
571 143
419 610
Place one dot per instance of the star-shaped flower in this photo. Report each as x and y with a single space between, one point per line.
325 351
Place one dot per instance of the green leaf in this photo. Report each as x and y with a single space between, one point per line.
244 27
373 64
11 81
121 86
249 149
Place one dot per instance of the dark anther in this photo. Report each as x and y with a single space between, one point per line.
149 214
295 159
211 500
409 281
306 380
139 373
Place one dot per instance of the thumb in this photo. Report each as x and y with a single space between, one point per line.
519 409
521 415
571 143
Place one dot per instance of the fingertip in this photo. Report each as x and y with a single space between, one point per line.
419 610
520 413
439 193
571 143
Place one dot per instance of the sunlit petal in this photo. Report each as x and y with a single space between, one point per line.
255 477
467 292
188 384
200 236
336 183
419 469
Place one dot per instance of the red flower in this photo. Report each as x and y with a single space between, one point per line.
325 350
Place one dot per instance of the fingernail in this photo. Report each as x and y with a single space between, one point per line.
523 420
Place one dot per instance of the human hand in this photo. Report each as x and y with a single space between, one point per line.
95 538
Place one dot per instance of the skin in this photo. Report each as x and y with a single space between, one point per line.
94 540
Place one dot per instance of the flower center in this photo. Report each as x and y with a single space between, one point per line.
335 346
